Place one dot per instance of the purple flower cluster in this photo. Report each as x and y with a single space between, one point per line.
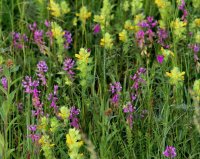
96 29
29 84
182 7
160 58
4 83
115 89
137 81
162 35
196 49
146 35
30 87
19 40
129 109
38 37
68 66
37 103
42 68
68 39
150 32
53 97
170 152
74 112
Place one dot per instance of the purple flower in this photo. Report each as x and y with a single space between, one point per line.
160 58
140 38
68 39
33 26
28 84
68 66
182 8
115 89
32 128
129 109
97 29
170 152
41 69
162 36
34 137
53 97
73 117
4 83
137 80
47 23
42 66
19 40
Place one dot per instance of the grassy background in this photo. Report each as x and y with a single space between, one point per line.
169 120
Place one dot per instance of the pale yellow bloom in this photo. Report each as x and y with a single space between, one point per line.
64 112
54 8
56 30
64 7
107 41
126 6
197 37
84 14
175 76
123 36
197 22
83 55
161 3
128 25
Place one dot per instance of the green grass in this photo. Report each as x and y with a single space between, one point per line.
107 135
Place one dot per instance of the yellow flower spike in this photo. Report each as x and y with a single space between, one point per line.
123 36
84 14
64 7
175 76
56 30
83 55
197 22
64 113
160 3
128 25
107 41
54 8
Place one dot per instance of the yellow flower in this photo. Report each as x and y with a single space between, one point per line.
126 6
107 41
196 90
73 138
43 124
197 37
54 8
84 14
128 25
160 3
166 52
64 113
178 28
197 22
175 76
64 7
83 55
74 21
58 9
56 30
99 19
123 36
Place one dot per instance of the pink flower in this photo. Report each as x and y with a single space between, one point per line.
160 58
96 29
170 152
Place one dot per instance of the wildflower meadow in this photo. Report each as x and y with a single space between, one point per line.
99 79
